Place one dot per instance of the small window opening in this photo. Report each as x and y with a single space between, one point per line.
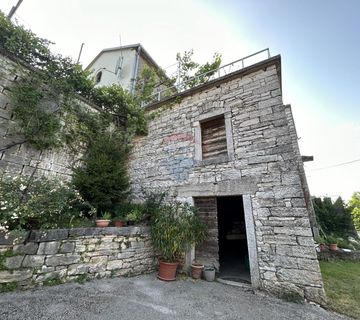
213 136
98 77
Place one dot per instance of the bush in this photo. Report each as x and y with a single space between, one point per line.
102 179
174 228
39 203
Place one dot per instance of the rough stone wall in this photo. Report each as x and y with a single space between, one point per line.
262 164
55 256
208 252
22 159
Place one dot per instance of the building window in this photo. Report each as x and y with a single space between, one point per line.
98 77
213 138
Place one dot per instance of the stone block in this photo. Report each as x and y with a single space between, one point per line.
114 264
13 262
49 248
315 294
54 275
9 238
76 269
48 235
301 277
62 260
67 247
27 248
32 261
98 264
15 276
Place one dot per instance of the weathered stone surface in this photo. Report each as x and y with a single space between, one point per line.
67 247
27 248
48 235
13 262
98 264
76 269
114 264
51 247
302 277
62 260
33 261
10 239
15 276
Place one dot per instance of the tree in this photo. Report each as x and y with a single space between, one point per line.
354 205
334 217
102 179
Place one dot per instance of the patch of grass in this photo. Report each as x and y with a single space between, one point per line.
342 286
82 279
52 282
10 286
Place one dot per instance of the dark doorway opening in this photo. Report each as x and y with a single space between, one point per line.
233 249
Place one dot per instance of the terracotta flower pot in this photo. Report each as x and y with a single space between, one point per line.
167 270
102 223
196 270
119 223
322 247
333 246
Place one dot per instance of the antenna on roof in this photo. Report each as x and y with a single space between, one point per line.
119 62
14 8
81 48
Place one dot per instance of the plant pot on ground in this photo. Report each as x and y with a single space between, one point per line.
209 273
104 221
196 270
175 227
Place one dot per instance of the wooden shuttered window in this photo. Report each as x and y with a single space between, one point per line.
213 136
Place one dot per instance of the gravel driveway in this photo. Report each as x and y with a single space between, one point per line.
145 297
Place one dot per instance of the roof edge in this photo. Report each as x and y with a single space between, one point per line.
239 73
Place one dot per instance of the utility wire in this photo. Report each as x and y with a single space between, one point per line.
335 165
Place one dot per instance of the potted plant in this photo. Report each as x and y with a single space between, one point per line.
175 227
332 241
209 273
196 270
104 221
119 221
321 241
134 216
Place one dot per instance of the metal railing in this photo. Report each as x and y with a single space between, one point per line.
206 77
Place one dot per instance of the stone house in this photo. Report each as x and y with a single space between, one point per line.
230 148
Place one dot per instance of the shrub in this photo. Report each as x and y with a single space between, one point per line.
39 203
102 179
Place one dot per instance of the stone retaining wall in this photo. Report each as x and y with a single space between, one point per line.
22 159
334 255
54 256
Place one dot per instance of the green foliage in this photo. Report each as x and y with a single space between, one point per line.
40 125
106 216
174 228
192 74
9 286
334 217
354 205
39 203
102 179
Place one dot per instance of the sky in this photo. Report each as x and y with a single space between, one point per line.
318 41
